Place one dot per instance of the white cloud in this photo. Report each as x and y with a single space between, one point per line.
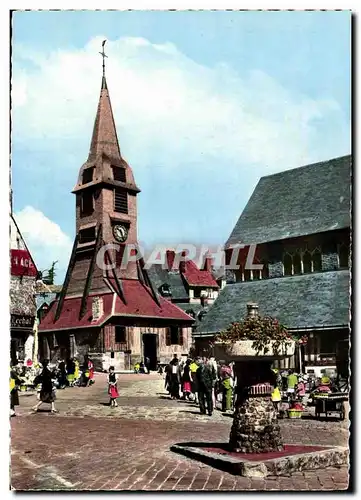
171 110
45 239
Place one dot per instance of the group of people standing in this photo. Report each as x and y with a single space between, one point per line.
202 380
48 379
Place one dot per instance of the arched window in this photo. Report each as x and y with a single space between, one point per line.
247 275
265 272
287 265
307 262
343 255
256 274
297 265
239 274
316 260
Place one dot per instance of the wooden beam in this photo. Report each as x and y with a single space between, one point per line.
90 273
67 280
149 283
117 281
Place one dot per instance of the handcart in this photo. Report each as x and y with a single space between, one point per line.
330 403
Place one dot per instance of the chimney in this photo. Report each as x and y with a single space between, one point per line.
252 309
97 308
182 264
170 259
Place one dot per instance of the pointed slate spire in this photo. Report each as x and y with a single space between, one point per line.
104 139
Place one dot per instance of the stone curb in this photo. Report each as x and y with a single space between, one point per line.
284 466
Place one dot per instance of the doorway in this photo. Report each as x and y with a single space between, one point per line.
150 349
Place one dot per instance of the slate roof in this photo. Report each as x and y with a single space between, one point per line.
305 200
160 276
307 301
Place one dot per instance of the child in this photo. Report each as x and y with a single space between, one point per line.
112 387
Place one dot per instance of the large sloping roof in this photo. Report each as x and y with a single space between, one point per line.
160 276
307 301
305 200
140 304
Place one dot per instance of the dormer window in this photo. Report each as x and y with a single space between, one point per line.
165 290
120 201
88 175
119 174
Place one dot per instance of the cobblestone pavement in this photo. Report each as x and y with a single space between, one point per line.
89 446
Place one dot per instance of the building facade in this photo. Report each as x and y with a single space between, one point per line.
299 221
106 309
22 297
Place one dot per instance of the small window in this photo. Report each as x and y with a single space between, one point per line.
256 274
317 261
88 175
343 255
120 201
119 174
297 264
87 235
87 203
174 335
112 355
120 335
247 275
265 271
287 265
307 262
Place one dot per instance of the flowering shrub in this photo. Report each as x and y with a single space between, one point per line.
259 329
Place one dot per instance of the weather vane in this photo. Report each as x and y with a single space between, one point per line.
103 54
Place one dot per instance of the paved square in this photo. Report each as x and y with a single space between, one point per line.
90 446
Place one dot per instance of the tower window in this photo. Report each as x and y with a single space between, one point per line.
120 201
87 235
119 174
120 335
87 203
88 175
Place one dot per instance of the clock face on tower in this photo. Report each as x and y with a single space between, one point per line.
120 233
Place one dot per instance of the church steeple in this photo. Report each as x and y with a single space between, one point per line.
104 138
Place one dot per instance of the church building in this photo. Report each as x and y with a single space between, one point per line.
113 313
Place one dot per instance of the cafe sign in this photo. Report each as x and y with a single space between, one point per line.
22 321
22 264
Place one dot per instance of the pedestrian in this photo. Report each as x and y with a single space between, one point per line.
227 388
70 371
14 394
194 382
47 392
206 377
186 380
292 381
147 364
76 369
88 371
112 387
174 378
62 374
276 393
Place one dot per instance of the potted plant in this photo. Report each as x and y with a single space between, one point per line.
255 337
296 410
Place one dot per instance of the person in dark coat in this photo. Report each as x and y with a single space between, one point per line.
14 395
206 377
47 392
174 378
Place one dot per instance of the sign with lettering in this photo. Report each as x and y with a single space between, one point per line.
22 264
22 321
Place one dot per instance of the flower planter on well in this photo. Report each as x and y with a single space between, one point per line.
243 350
294 413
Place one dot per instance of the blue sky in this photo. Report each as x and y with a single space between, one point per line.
205 104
